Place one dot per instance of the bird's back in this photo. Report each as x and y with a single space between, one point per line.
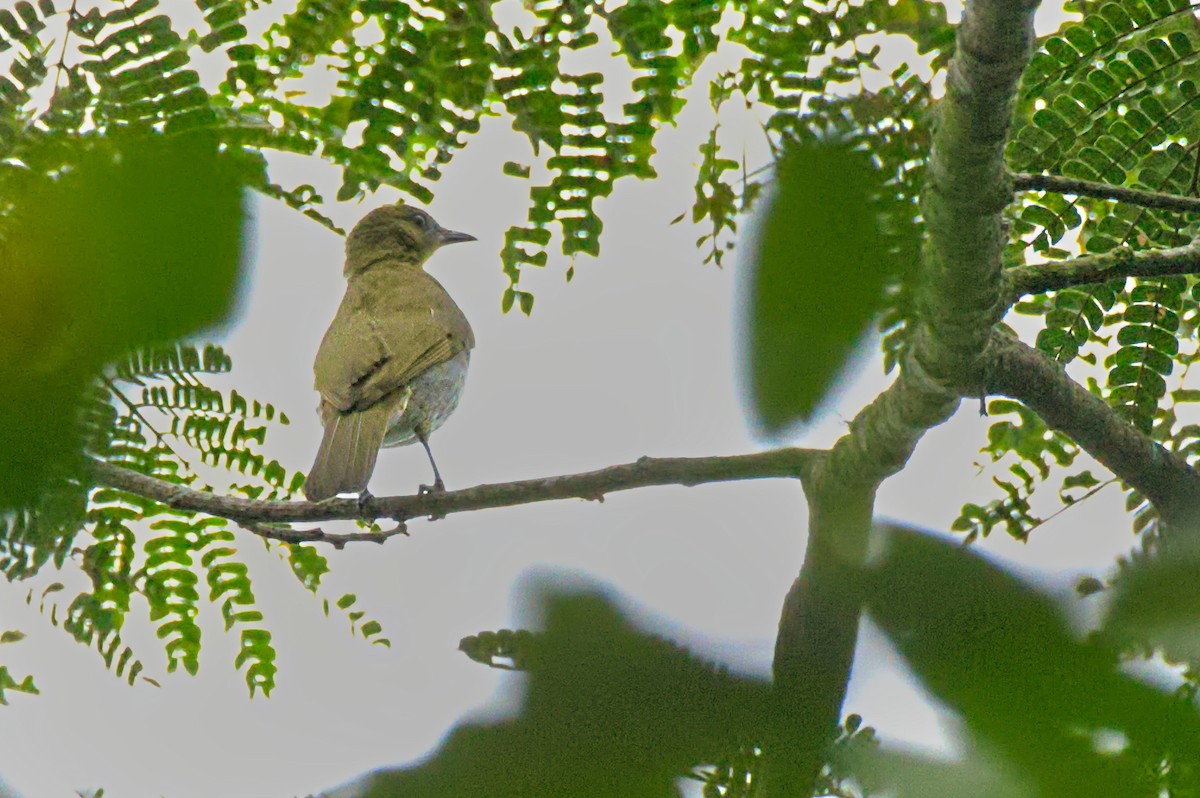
394 323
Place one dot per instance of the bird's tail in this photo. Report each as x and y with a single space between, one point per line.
347 454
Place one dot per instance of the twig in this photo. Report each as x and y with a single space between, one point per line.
1101 268
286 534
1023 181
592 485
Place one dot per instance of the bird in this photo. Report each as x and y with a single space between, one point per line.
392 365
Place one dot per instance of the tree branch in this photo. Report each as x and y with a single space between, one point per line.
1021 372
1024 181
885 433
967 186
592 485
1122 262
288 534
959 301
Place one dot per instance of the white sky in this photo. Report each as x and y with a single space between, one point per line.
638 356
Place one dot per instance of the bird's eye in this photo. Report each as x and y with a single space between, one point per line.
422 221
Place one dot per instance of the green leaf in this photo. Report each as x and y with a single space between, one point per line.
910 775
608 711
138 241
1156 603
514 169
817 279
525 300
7 682
1000 654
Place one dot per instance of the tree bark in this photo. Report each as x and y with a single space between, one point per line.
960 299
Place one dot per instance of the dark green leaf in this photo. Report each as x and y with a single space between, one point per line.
1157 604
1001 655
607 712
818 277
138 242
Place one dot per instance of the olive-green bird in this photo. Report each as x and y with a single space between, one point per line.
392 365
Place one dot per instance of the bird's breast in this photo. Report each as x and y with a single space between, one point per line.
435 395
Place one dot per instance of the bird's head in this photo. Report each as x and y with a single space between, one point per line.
396 233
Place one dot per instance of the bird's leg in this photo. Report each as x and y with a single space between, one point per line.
438 486
364 505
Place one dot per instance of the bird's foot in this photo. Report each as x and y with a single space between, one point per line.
436 487
432 490
365 500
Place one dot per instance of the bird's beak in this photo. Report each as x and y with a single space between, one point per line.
452 237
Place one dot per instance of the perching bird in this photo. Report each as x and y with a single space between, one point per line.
391 366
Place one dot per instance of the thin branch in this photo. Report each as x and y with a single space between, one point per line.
1122 262
1195 181
286 534
1021 372
1157 200
136 411
72 13
592 485
1075 503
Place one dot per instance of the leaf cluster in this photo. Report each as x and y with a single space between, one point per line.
104 117
415 80
610 710
1110 98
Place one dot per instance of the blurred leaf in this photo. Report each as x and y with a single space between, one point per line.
821 266
505 649
136 240
1156 604
7 682
999 653
908 775
608 712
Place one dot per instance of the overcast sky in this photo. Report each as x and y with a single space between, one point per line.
637 356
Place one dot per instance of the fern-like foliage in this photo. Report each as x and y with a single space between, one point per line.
416 78
798 72
91 623
167 422
1110 98
359 624
154 413
1029 451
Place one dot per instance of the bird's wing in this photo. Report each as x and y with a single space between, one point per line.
393 324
